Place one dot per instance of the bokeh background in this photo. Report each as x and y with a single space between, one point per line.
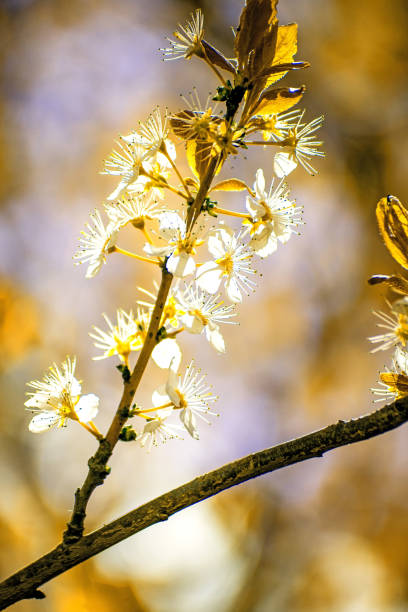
328 535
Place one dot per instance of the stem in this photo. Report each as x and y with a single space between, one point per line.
24 584
266 143
117 249
216 71
142 412
91 430
176 170
231 213
98 469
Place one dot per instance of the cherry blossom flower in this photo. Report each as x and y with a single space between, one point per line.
231 264
203 312
94 245
57 398
274 216
189 394
127 335
180 246
300 145
189 39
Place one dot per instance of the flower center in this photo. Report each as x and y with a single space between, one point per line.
226 263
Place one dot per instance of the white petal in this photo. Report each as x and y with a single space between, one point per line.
216 245
37 401
232 290
264 242
255 209
75 387
87 407
121 187
215 338
94 268
157 251
171 224
160 396
189 421
181 265
259 184
167 353
192 323
43 421
171 387
209 277
283 164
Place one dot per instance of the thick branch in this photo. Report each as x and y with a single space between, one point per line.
24 584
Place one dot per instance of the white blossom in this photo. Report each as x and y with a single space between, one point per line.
57 398
300 145
127 163
180 246
274 216
231 264
189 394
157 431
134 209
94 244
188 40
127 335
203 312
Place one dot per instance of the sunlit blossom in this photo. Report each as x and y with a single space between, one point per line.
394 382
300 145
157 431
189 39
126 162
397 325
231 265
135 209
189 394
127 335
57 398
203 312
95 243
180 246
274 217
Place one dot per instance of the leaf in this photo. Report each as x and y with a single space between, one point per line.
191 157
396 282
286 48
256 36
284 67
278 100
231 184
399 382
203 156
392 220
216 57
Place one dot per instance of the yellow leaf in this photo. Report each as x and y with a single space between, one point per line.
392 220
396 282
216 57
286 48
191 157
256 36
278 100
232 184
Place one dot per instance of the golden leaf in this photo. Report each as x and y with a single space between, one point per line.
191 157
397 283
216 57
231 184
392 220
256 36
278 100
286 48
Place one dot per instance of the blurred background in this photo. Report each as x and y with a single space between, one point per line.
328 535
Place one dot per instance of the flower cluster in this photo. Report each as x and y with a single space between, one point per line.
392 220
210 260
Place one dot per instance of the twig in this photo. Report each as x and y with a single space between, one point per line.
24 584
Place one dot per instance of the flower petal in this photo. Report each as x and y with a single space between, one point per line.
87 407
209 277
189 421
167 353
43 421
283 164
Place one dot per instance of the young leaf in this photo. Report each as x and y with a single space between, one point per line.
231 184
392 220
216 57
286 48
277 100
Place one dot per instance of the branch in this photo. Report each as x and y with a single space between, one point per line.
24 584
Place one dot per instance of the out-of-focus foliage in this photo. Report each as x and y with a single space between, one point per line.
328 535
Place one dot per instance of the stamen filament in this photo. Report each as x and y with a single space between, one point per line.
231 213
94 432
117 249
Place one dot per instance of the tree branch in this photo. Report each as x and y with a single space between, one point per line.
24 584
